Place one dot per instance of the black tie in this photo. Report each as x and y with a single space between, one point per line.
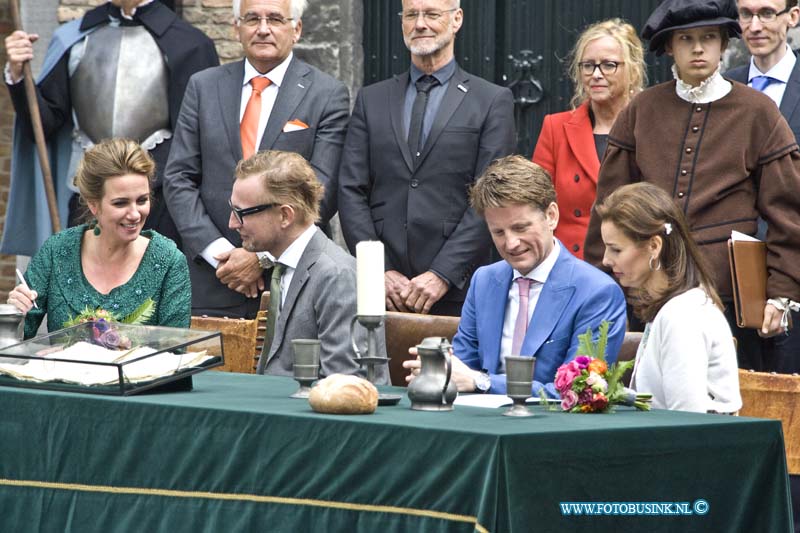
415 140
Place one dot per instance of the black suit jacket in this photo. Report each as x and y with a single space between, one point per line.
791 96
422 214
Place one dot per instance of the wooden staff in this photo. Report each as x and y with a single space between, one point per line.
38 130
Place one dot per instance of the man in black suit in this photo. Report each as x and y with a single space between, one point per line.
269 101
415 144
774 70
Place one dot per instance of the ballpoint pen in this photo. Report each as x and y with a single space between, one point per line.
25 284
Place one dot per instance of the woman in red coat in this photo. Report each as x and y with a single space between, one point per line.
607 68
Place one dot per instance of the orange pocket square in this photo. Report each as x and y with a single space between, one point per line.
295 125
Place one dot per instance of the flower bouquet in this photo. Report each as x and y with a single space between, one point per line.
103 331
587 384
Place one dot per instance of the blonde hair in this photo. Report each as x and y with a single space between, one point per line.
632 55
512 180
288 179
109 159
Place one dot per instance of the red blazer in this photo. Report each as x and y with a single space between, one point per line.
566 150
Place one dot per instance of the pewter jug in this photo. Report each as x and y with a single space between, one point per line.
433 390
11 321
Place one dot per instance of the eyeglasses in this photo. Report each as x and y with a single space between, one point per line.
764 15
428 16
606 67
241 213
273 21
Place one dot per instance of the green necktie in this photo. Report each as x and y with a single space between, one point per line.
272 314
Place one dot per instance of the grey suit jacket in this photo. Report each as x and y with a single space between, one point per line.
790 104
320 304
421 211
206 148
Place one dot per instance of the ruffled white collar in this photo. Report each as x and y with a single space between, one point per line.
712 89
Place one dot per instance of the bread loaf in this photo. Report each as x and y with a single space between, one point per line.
340 394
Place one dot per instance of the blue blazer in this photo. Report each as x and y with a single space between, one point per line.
575 297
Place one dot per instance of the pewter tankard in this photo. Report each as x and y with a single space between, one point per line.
433 390
11 321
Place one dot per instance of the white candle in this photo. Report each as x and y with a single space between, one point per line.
369 272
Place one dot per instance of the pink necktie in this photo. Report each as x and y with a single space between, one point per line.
521 325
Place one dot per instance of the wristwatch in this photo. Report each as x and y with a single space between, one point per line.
264 261
483 382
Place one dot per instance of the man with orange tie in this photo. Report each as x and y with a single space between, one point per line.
539 298
268 101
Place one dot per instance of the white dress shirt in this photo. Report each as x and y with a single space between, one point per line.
291 257
268 97
538 274
780 71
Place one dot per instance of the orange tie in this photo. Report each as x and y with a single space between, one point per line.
248 129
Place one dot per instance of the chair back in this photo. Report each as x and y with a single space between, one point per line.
630 344
238 340
404 330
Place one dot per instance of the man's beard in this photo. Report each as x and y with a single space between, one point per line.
439 41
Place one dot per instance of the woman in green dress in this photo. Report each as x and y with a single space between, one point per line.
109 263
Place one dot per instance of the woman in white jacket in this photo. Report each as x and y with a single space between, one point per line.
687 358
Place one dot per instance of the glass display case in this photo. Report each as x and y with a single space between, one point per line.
111 358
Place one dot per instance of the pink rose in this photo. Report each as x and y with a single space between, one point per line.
569 400
565 375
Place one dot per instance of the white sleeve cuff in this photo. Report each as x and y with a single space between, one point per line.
7 75
215 248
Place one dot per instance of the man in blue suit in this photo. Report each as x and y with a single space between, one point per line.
540 297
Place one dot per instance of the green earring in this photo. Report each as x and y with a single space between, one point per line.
95 228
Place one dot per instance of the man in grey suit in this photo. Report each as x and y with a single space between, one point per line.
415 144
774 70
274 204
270 100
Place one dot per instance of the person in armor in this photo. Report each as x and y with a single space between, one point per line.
119 71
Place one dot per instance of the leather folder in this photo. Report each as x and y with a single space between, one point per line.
748 261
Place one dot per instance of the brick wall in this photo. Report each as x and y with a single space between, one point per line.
7 262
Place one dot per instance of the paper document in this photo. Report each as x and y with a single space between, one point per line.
43 370
739 236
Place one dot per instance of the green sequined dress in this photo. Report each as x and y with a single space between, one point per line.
55 273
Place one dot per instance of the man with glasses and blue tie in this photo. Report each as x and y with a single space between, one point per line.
774 70
414 145
273 206
269 101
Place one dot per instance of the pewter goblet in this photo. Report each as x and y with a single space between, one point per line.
519 379
306 365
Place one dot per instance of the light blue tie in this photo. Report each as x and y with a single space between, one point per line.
759 83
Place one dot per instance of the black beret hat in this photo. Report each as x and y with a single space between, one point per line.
673 15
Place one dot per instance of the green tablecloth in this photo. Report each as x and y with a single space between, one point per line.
236 454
